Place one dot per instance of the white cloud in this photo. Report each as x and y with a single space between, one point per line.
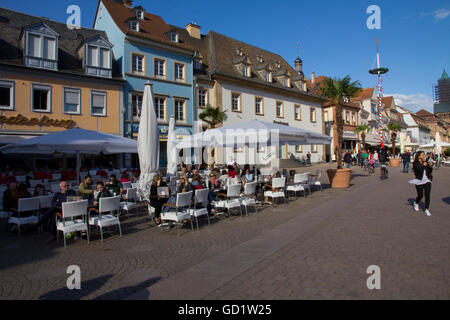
413 102
441 14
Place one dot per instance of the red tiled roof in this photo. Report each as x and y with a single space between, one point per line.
364 94
153 27
387 100
423 112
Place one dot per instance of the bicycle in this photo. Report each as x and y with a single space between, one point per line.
384 173
371 168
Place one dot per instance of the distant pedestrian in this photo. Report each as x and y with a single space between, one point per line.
423 171
406 157
348 159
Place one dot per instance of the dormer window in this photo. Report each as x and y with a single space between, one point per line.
174 37
240 52
287 82
134 25
139 14
98 57
268 76
246 71
41 47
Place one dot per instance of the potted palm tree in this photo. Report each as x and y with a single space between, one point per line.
214 117
338 90
363 128
393 128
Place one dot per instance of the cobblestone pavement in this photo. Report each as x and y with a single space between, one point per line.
341 233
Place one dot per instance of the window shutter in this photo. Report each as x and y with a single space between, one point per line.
49 48
98 100
34 48
72 97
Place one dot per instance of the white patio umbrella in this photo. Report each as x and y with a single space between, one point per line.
171 148
75 141
148 143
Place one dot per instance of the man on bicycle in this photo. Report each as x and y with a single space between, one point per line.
383 167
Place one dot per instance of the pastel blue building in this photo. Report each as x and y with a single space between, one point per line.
146 48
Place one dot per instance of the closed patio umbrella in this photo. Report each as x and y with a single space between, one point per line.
171 148
148 143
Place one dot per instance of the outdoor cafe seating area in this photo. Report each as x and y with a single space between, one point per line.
236 196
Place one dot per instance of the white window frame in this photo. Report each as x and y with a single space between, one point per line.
268 76
184 110
155 60
104 93
315 115
174 37
238 95
164 102
136 23
297 106
200 89
246 70
298 148
261 106
133 55
73 90
89 56
138 108
35 86
176 73
41 56
281 109
11 86
314 148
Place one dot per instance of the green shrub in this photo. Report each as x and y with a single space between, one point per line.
447 152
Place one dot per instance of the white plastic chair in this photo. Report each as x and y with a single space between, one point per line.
300 183
200 198
21 179
232 198
249 194
127 185
45 202
316 180
72 210
182 209
104 220
277 183
26 205
130 200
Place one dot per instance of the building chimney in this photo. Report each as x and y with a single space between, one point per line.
298 65
313 77
194 30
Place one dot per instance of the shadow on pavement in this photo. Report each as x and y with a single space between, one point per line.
130 290
446 200
87 287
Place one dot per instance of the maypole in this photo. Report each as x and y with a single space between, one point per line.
379 71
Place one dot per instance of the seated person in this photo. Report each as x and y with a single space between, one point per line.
231 172
184 185
113 185
224 176
156 201
189 171
39 191
214 184
56 209
197 182
85 188
124 177
10 197
102 192
248 176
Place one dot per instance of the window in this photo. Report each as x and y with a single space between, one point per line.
92 56
268 76
179 71
41 98
72 101
137 63
136 104
297 112
298 149
6 95
98 103
139 14
49 48
325 115
373 108
347 117
235 102
134 25
34 45
353 119
202 97
174 37
246 71
197 64
314 148
180 114
159 68
160 108
312 114
259 110
280 111
104 58
287 82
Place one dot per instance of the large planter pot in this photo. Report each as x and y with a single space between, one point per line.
339 178
395 162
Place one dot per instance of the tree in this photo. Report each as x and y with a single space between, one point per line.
213 116
363 128
393 128
337 90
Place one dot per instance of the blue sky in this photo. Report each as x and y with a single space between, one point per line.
334 39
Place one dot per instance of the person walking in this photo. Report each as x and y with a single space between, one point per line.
423 171
348 159
376 158
406 157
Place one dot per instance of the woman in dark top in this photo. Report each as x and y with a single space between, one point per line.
423 172
231 172
156 201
